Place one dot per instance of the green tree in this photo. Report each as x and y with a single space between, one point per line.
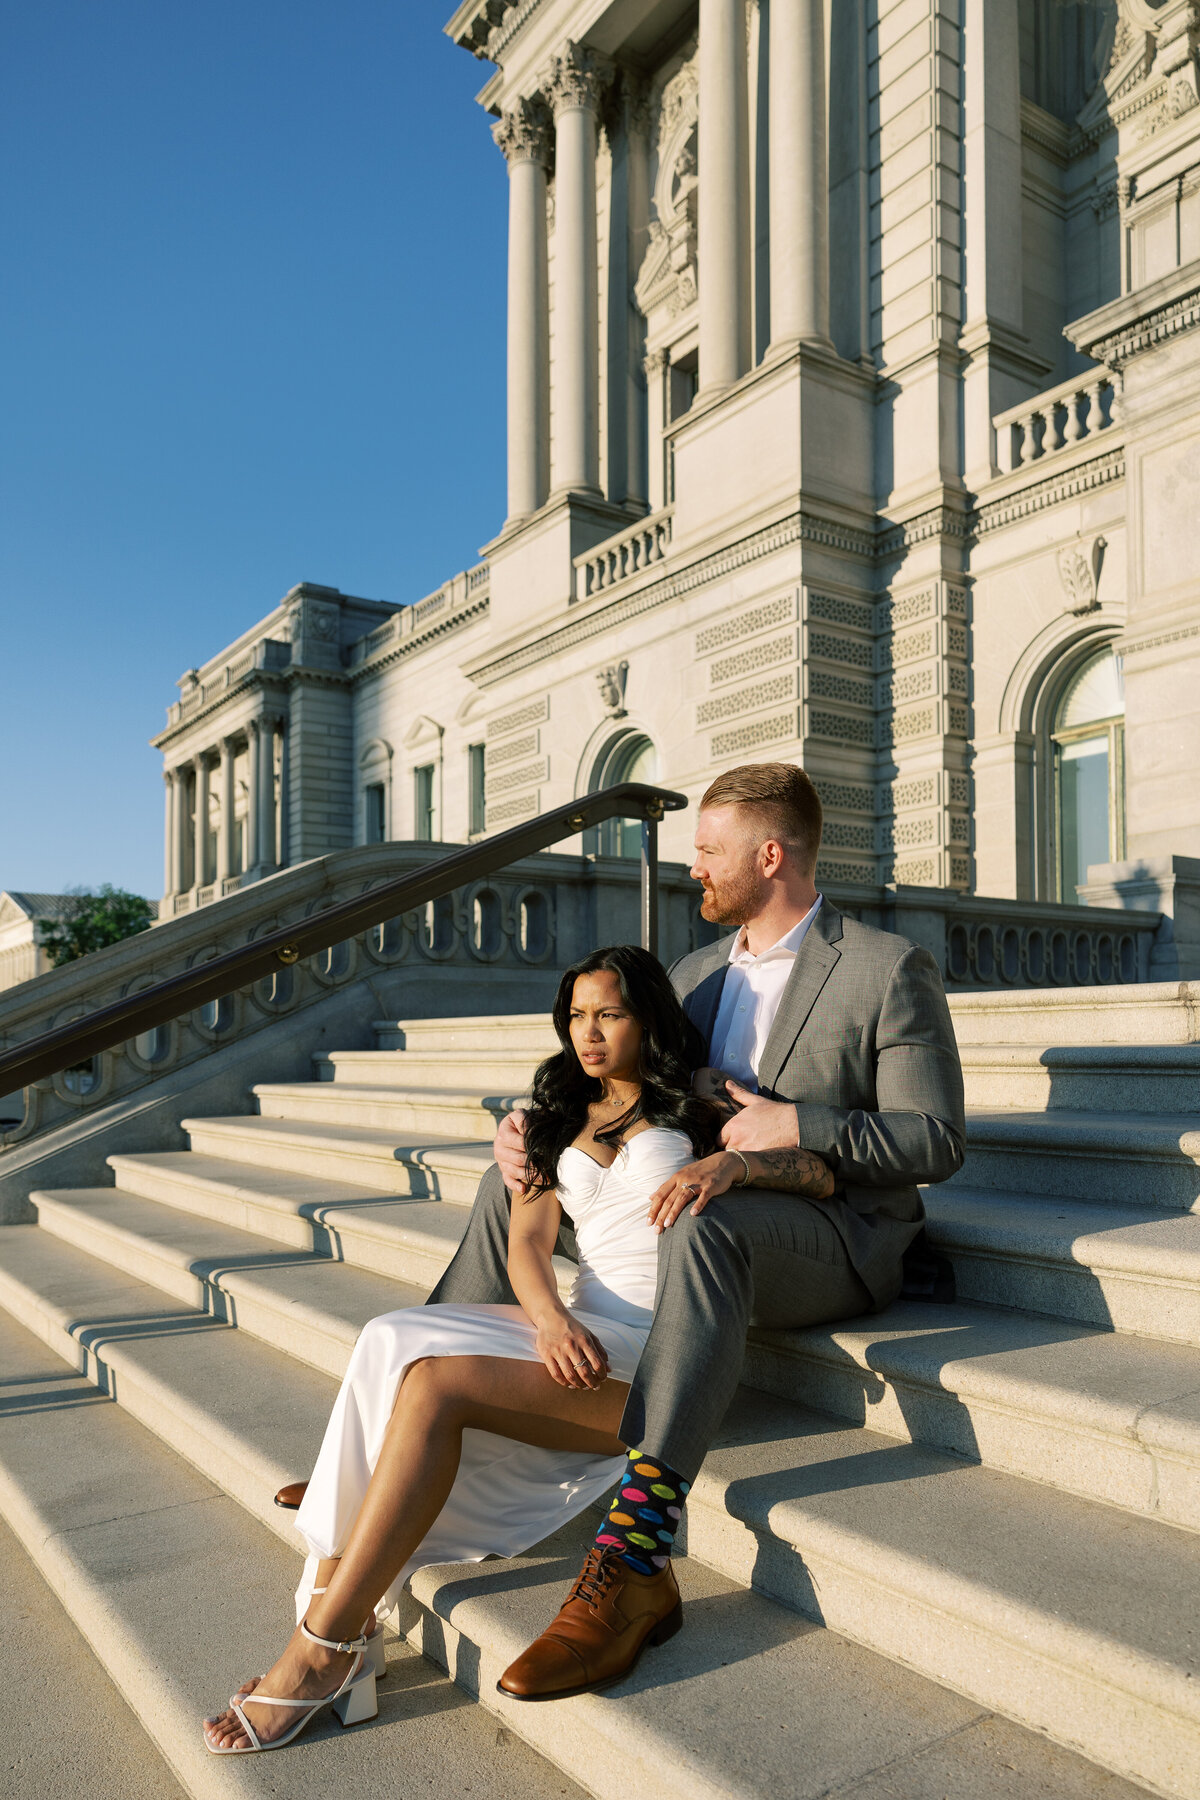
90 921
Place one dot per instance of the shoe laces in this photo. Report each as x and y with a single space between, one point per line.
596 1577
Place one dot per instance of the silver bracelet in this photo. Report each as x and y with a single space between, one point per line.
746 1177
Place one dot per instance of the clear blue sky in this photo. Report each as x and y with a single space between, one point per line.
251 333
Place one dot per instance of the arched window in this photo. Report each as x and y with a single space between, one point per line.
1087 735
629 757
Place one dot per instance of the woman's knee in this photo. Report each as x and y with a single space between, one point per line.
431 1387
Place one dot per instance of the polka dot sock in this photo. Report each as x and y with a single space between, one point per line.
644 1513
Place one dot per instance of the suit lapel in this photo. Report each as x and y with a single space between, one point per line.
815 961
702 1003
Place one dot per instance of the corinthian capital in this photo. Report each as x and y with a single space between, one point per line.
523 134
576 78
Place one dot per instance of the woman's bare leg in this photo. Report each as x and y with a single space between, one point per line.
439 1398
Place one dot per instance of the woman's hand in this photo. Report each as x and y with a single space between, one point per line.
694 1186
574 1355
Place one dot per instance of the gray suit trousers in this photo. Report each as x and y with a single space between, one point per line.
753 1258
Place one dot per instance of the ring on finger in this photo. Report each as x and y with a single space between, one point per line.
691 1189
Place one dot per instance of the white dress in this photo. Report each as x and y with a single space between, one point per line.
507 1496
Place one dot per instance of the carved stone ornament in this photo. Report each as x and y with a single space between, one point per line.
611 682
1079 571
524 134
576 78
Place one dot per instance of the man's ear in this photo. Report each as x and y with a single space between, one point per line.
771 856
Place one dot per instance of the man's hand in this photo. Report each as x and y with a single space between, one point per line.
710 1085
508 1148
759 1124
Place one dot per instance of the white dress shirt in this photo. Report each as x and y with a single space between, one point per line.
750 999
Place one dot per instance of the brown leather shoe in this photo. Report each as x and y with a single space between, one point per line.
291 1497
609 1617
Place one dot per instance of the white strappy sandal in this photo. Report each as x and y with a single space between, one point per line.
353 1702
376 1657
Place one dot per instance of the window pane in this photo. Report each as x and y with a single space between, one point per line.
376 830
1097 692
423 781
1083 793
477 813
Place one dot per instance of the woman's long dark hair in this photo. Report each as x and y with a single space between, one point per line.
671 1049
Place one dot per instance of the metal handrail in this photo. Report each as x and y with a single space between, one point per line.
221 975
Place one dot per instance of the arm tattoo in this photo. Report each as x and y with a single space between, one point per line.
794 1172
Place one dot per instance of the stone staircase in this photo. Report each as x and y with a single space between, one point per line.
993 1508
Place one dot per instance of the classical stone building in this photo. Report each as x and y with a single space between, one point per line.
853 417
22 920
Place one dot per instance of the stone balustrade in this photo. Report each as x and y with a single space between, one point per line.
628 553
469 589
499 944
1080 408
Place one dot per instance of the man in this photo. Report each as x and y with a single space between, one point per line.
833 1045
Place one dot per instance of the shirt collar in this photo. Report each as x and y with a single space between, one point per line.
788 945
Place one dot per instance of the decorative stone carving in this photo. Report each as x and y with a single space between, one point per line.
1079 572
666 281
576 78
611 682
524 134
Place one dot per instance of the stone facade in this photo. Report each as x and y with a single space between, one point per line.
853 418
22 953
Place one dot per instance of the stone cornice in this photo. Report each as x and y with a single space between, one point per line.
388 654
1082 478
265 680
1163 637
797 527
1115 334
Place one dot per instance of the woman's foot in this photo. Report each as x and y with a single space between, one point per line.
305 1671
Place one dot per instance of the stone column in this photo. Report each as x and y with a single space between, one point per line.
252 794
573 86
637 126
658 374
524 136
200 821
724 198
266 793
169 832
225 856
178 882
799 175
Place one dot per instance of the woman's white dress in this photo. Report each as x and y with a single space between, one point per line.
506 1496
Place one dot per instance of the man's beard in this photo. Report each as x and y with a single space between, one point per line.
736 900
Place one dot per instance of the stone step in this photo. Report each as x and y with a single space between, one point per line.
1106 1415
526 1034
1113 1417
417 1164
1143 1078
407 1239
1123 1267
1121 1158
1054 1610
1146 1012
1079 1616
303 1304
97 1745
492 1070
180 1594
471 1113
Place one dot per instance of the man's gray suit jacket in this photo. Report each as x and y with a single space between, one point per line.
863 1046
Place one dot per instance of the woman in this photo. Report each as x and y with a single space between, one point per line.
461 1431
